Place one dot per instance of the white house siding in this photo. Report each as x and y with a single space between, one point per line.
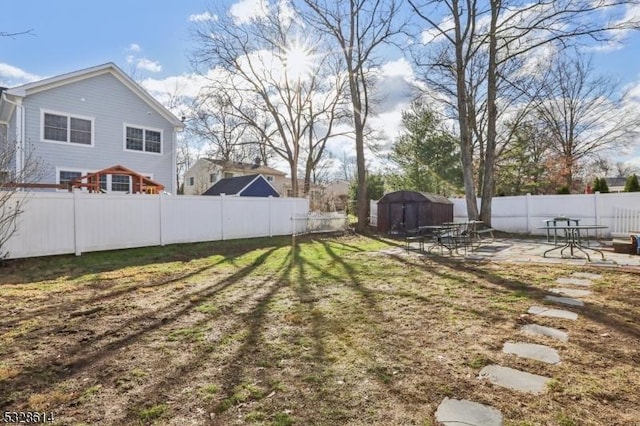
111 104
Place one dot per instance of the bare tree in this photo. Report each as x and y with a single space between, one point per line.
583 113
265 73
15 34
17 165
216 124
347 167
626 169
504 32
358 29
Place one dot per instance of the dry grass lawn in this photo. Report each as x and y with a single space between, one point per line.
318 331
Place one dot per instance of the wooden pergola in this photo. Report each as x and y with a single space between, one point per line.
139 183
91 181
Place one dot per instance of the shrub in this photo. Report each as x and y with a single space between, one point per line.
632 184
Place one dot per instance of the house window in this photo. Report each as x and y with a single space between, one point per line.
103 183
192 181
145 140
66 176
213 177
228 175
120 183
4 176
65 128
270 178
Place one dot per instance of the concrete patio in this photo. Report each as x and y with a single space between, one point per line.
531 250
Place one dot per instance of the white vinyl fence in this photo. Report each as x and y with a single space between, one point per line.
317 222
526 213
60 223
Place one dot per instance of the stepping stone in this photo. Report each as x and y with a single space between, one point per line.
541 330
574 281
571 292
532 351
552 313
587 275
457 412
565 300
514 379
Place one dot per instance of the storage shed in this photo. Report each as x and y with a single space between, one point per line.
404 210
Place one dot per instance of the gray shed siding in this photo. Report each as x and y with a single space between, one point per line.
111 104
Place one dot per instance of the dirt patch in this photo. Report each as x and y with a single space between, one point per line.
315 331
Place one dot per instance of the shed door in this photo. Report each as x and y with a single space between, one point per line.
396 216
411 216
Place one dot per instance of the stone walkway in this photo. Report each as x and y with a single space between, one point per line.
567 295
462 412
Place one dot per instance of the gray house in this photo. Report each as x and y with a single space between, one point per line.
87 120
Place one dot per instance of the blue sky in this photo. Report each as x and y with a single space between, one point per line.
151 40
74 34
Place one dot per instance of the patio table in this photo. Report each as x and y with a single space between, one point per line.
442 236
573 240
555 221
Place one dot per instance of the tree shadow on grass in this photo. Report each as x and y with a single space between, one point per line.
69 267
46 372
625 321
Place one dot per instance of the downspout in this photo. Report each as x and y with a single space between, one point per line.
20 133
174 159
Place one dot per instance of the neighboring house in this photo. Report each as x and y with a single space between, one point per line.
243 186
207 171
336 195
87 120
315 190
616 184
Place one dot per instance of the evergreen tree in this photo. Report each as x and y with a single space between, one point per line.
375 189
632 184
426 154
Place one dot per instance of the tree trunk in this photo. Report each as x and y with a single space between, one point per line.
362 201
488 179
293 166
307 176
466 147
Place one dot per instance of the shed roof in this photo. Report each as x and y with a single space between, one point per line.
243 167
239 184
413 196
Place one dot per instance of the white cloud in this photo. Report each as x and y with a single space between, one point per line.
130 59
246 11
400 67
133 47
188 85
203 17
14 76
148 65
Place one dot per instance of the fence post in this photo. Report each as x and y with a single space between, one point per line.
160 207
293 217
222 196
527 202
270 215
596 195
76 218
